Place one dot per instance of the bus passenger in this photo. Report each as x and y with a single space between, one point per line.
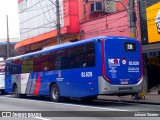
82 61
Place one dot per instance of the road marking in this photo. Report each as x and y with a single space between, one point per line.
7 95
67 104
41 118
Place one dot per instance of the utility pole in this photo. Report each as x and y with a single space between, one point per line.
132 18
58 23
7 37
84 7
138 20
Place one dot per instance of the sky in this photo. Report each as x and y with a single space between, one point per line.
10 8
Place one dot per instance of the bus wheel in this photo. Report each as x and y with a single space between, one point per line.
16 93
3 92
54 93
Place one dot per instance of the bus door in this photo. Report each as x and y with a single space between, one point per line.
2 80
12 76
122 57
8 83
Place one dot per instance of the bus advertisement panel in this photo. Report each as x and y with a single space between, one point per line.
85 69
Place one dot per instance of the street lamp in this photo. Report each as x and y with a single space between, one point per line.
7 37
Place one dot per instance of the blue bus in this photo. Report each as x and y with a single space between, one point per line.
103 65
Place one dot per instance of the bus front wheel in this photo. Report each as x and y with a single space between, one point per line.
16 92
55 93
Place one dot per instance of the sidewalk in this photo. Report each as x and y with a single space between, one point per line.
150 98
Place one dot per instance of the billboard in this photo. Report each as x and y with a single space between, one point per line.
149 11
153 22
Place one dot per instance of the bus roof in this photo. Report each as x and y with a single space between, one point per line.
64 45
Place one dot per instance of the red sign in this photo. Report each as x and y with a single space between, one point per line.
20 1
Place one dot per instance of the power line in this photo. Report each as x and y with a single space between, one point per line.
102 31
35 9
44 13
30 6
39 27
108 28
115 19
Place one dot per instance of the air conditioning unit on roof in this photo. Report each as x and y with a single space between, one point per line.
96 7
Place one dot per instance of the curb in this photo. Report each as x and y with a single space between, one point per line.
131 101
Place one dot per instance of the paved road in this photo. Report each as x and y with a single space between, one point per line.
98 109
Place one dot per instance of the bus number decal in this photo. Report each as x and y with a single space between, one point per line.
86 74
133 62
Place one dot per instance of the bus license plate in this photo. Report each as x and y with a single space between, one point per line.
125 88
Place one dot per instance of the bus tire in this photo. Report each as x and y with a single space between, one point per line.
16 93
55 93
3 92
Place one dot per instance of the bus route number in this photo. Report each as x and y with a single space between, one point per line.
86 74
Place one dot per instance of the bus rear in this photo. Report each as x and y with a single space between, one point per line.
121 66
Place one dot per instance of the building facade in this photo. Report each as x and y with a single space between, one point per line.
38 23
150 37
3 47
105 17
79 19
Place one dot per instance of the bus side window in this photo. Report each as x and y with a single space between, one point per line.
83 60
90 60
51 61
77 54
7 69
58 62
76 61
90 53
15 69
